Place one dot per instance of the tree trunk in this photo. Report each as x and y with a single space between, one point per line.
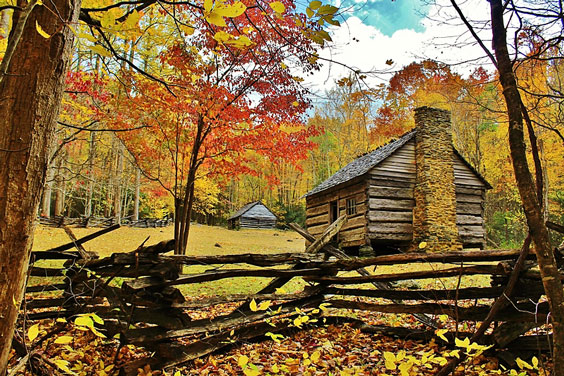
47 191
537 228
90 176
60 186
117 183
30 98
188 199
136 199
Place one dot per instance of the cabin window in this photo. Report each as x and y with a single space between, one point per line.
351 206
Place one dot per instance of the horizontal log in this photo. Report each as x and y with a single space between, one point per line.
390 216
244 258
462 219
388 182
60 302
46 272
155 283
469 190
471 230
322 219
389 204
215 300
312 211
390 228
466 208
140 336
525 312
532 291
387 237
45 288
385 192
53 255
468 198
469 270
390 173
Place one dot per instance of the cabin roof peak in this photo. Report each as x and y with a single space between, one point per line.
363 164
367 161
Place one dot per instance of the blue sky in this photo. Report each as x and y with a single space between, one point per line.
389 16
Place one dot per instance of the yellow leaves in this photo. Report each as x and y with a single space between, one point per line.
241 41
295 103
242 361
100 50
132 20
86 322
41 31
251 372
275 337
522 364
389 360
422 245
462 343
263 306
63 366
63 340
441 334
108 20
33 332
275 368
214 13
278 7
315 356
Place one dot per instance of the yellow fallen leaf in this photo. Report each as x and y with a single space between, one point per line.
41 31
63 340
33 332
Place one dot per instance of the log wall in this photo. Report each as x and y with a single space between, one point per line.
390 197
470 196
318 215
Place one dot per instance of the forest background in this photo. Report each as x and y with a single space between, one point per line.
113 157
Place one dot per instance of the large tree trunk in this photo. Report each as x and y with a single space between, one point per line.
137 193
30 97
526 186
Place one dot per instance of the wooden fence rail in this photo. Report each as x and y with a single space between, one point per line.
143 286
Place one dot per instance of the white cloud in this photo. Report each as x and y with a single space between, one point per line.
364 47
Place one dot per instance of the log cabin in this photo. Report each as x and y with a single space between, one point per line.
416 193
252 215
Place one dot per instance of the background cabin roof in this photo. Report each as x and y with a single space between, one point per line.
248 207
366 162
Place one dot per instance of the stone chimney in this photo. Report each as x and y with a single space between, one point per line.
434 215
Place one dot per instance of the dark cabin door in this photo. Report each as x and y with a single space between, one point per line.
333 215
333 211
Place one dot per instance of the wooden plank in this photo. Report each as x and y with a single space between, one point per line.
354 222
312 211
322 219
390 228
471 229
469 190
388 182
462 219
466 208
336 193
377 172
390 216
389 192
389 237
467 181
389 204
325 238
460 197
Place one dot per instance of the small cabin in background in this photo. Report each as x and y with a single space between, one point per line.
416 193
252 215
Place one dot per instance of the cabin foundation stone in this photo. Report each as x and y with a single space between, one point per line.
434 214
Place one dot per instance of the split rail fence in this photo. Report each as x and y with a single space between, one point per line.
147 308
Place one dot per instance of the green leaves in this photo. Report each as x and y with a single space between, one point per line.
321 13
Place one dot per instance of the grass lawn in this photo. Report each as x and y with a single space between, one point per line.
204 240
